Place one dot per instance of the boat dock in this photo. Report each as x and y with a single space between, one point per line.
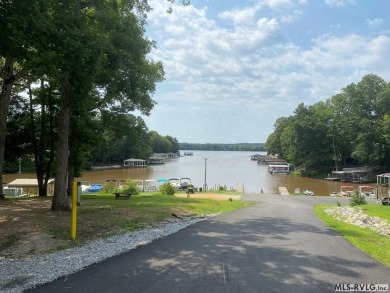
283 190
355 175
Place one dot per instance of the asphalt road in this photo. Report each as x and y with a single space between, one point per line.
277 245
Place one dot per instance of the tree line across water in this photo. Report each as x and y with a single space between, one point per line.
255 147
349 128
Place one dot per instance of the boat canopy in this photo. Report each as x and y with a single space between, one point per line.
134 163
383 179
150 185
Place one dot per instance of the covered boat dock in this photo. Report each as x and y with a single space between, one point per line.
135 163
279 169
355 175
156 160
383 179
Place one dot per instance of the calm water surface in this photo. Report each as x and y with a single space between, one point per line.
223 168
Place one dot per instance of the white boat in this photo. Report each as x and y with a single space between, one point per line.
175 182
367 190
346 190
139 183
150 185
84 186
122 183
309 192
184 182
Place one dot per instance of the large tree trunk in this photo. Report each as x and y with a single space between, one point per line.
70 179
60 199
51 138
71 167
44 146
5 97
38 160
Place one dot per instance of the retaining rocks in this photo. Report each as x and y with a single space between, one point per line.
356 216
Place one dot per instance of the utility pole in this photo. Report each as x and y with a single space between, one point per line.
334 154
205 173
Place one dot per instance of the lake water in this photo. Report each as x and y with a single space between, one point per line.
226 168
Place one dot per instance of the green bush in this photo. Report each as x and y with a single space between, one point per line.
129 187
167 189
109 187
357 199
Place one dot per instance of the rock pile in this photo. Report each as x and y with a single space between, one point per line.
356 216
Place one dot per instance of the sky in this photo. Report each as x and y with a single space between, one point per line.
232 68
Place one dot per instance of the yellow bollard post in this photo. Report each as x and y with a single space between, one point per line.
74 211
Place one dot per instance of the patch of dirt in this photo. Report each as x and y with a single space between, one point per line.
31 244
27 225
21 232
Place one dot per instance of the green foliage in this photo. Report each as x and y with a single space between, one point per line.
129 187
338 204
167 189
122 136
163 144
377 211
273 143
357 199
255 147
351 126
109 187
96 65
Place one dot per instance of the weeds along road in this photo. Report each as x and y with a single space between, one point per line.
277 245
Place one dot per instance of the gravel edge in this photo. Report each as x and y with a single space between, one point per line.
18 275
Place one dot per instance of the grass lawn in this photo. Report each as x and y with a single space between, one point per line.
100 215
148 208
372 243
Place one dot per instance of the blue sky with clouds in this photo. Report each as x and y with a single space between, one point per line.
233 67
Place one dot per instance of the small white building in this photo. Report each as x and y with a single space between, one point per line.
135 163
28 186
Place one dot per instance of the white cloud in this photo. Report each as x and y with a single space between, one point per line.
277 3
241 16
291 16
339 3
248 67
374 22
